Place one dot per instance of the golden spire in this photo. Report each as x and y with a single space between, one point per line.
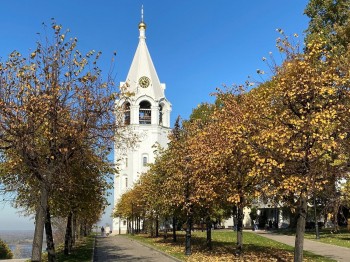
142 24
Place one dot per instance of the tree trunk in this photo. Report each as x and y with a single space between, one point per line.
239 246
82 228
335 215
209 242
174 229
137 224
49 237
128 228
188 249
86 230
75 229
151 226
157 226
39 224
132 219
68 235
299 237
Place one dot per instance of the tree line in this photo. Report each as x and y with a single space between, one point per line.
57 128
286 140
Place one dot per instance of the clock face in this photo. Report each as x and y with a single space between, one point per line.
144 81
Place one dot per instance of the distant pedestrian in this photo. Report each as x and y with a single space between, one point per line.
255 224
270 224
102 231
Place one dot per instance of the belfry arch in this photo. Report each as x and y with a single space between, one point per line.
145 113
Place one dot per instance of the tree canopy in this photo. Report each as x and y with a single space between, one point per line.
57 127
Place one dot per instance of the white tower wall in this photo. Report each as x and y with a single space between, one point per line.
148 117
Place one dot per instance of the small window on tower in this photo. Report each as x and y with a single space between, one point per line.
144 161
126 182
126 162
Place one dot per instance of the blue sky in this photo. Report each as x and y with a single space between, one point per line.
196 45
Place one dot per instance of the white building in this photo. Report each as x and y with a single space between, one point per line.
146 113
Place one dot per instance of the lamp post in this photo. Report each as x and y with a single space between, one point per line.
188 212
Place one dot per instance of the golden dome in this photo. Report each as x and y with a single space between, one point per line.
142 25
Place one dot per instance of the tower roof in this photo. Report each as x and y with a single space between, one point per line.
142 65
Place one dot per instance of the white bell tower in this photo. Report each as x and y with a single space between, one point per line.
146 113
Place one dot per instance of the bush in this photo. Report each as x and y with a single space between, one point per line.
5 252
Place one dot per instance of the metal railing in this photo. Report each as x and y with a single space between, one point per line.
145 116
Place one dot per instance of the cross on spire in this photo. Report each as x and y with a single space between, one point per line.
142 13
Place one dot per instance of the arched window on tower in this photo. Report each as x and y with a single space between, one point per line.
160 115
144 161
145 113
127 113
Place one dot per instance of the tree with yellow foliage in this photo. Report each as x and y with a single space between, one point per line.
305 109
53 105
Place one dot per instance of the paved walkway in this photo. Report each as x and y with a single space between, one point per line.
121 248
330 251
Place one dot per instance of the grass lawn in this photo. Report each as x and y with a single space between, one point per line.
255 248
82 251
342 238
